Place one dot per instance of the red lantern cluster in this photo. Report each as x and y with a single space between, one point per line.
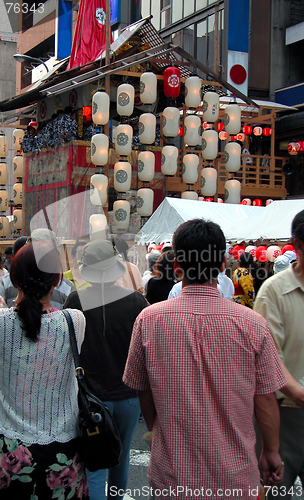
261 254
172 81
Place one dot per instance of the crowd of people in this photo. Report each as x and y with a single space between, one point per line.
61 128
213 364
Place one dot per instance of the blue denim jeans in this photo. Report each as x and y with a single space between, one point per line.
126 413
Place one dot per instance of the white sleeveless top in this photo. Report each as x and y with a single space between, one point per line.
38 387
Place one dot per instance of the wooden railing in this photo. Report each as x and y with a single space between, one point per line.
258 175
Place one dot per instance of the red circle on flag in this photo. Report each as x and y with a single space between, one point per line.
238 74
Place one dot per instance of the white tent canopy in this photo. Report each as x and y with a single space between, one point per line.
172 212
273 223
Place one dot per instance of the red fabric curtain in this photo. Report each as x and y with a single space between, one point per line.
90 33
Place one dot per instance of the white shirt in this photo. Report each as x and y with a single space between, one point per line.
38 387
224 286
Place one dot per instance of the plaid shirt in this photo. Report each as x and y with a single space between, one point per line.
204 358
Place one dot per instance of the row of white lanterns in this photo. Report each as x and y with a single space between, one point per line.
18 165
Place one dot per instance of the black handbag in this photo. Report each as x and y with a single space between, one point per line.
100 444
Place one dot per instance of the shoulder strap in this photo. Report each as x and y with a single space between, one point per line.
79 371
131 275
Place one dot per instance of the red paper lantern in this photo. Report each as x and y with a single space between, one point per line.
292 148
257 202
181 131
261 253
288 248
207 126
267 131
237 251
300 146
208 199
232 138
247 129
220 126
172 81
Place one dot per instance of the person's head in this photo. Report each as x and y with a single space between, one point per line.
280 264
100 262
28 274
152 258
77 250
68 110
1 262
199 247
43 234
164 266
297 234
291 255
19 243
246 260
30 130
122 247
8 254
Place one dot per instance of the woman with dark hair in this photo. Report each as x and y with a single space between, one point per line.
243 281
158 288
38 389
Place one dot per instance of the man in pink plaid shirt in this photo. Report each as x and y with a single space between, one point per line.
203 366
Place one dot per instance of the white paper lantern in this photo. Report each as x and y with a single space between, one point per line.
223 135
193 96
125 99
18 164
257 131
269 201
208 181
246 201
99 189
147 128
232 157
190 168
121 214
169 160
252 250
100 108
232 191
17 218
99 149
17 190
148 87
189 195
123 139
240 137
192 130
220 200
3 174
144 202
3 146
146 166
273 252
171 119
98 225
209 144
122 176
232 119
4 227
18 135
211 104
3 200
